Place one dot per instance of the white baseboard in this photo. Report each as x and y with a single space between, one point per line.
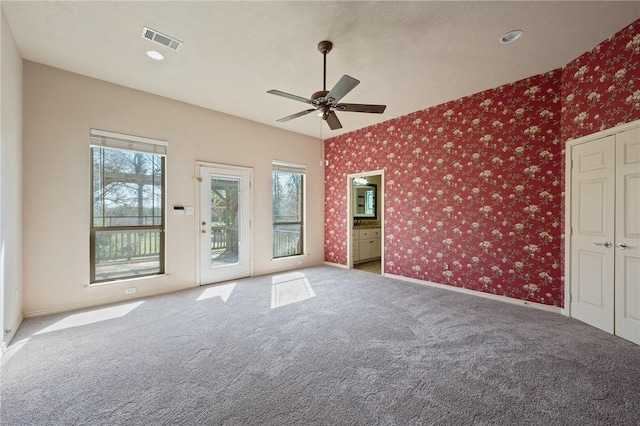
9 337
103 302
337 265
506 299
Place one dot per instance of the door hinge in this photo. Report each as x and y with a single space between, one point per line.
249 184
570 297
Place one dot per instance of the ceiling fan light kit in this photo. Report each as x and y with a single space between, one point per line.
327 102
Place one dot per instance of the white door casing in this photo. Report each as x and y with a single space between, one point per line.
224 223
354 254
627 241
610 269
592 232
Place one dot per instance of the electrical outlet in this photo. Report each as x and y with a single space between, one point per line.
130 290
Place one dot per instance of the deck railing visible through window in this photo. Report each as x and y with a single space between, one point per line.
126 245
287 240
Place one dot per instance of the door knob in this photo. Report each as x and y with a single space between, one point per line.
204 223
204 231
621 246
606 244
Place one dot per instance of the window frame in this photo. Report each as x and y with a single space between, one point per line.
132 144
301 169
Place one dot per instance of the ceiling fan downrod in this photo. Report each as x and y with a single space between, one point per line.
324 47
324 72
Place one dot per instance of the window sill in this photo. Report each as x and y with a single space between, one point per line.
128 280
294 257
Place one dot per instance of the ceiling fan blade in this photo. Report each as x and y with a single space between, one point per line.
289 96
342 87
374 109
296 115
332 121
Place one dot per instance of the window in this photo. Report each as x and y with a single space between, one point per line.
127 214
288 209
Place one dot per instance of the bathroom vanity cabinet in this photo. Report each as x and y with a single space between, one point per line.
366 244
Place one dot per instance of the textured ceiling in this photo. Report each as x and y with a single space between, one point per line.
407 55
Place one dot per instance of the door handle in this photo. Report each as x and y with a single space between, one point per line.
622 246
606 244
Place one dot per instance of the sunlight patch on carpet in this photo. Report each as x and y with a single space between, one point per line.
13 349
222 291
91 317
290 288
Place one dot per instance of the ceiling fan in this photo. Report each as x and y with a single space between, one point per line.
326 102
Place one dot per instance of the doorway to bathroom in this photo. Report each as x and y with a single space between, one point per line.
365 210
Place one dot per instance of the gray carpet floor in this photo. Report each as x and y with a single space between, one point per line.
320 346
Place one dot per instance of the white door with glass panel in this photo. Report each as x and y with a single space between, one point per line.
224 224
605 240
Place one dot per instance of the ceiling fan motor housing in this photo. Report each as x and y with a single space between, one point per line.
318 96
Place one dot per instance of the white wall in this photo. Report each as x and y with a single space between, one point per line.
10 185
61 107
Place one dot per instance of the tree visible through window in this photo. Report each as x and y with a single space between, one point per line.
127 238
288 209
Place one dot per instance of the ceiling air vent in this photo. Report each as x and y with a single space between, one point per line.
160 38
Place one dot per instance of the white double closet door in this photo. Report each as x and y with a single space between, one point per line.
605 233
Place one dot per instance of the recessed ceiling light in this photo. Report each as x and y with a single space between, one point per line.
511 36
153 54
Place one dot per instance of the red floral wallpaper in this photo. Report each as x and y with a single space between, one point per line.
474 187
474 184
601 88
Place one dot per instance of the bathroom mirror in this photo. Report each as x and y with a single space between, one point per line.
364 201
